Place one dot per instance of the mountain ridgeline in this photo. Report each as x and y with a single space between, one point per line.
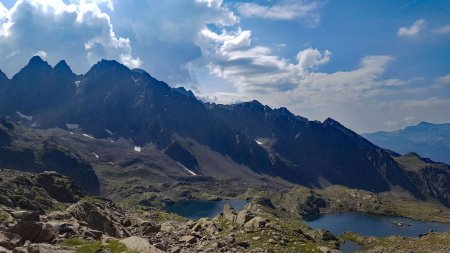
112 101
427 139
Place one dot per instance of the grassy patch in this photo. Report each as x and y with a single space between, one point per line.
85 246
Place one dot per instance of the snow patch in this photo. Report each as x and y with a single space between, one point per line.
109 132
23 116
72 126
259 143
35 124
88 136
186 169
71 133
297 136
77 83
96 156
137 149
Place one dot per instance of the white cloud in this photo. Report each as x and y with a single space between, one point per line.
164 34
413 30
307 11
42 54
79 32
442 30
443 80
250 68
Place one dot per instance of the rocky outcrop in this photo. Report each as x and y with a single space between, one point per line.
36 192
95 216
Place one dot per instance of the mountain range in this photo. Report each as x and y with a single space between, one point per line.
124 122
427 139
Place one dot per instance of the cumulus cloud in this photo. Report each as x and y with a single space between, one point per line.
412 30
252 68
79 32
164 33
284 10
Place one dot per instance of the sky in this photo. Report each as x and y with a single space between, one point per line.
372 65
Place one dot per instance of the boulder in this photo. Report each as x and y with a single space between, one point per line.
148 228
34 231
27 230
9 240
25 215
243 217
94 217
3 250
188 238
256 222
48 233
229 213
140 244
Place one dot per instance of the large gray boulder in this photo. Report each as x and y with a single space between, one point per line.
95 217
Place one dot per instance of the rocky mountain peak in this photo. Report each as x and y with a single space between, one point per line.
108 66
62 67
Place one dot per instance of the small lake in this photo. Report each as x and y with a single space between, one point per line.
195 209
374 225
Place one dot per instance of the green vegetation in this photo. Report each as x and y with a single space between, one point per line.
86 246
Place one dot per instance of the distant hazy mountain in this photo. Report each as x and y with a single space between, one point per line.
224 142
426 139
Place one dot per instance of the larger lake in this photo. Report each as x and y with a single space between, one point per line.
195 209
374 225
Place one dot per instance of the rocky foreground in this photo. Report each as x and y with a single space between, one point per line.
47 212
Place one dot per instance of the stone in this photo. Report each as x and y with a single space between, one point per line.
58 215
256 222
229 213
243 217
127 223
9 240
27 230
140 244
67 230
90 233
48 233
197 227
188 238
94 217
176 249
47 248
220 244
3 250
324 249
25 215
149 228
256 238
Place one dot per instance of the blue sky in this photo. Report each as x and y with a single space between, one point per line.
372 65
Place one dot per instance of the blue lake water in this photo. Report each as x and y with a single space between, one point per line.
195 209
374 225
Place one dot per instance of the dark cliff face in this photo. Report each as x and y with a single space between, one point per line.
134 105
432 178
24 150
327 153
